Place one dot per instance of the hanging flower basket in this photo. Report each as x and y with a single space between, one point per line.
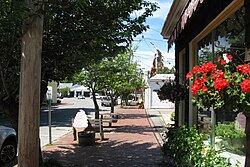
221 84
172 91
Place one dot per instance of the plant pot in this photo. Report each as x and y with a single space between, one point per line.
86 138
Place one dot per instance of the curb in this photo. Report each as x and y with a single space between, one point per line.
156 131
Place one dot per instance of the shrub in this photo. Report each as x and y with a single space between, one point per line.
185 146
229 131
233 140
172 116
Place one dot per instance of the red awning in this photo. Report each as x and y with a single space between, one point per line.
189 9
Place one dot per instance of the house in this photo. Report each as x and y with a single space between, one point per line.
200 29
155 83
77 90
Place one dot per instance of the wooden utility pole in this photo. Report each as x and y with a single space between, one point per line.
29 105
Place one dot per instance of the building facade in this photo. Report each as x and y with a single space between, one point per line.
200 29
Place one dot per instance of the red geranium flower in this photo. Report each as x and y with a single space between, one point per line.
223 62
208 67
230 57
189 75
204 89
212 84
220 84
245 85
196 69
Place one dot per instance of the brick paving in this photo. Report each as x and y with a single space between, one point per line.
131 142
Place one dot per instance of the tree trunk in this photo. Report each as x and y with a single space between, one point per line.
29 97
112 106
97 110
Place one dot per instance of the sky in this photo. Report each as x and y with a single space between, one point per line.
152 38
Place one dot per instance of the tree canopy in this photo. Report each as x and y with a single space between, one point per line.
76 33
117 76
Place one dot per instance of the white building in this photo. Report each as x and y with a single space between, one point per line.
77 90
151 97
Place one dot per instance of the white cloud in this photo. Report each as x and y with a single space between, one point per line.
163 11
160 13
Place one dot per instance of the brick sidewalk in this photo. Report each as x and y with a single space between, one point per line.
131 142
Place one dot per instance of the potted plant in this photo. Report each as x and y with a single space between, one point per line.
225 83
172 91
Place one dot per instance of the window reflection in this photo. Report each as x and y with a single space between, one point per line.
228 37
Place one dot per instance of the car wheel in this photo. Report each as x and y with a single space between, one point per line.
8 152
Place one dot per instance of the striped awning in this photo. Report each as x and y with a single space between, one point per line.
189 10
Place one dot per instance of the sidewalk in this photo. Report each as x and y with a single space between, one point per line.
132 141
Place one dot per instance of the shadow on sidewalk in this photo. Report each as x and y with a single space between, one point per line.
106 153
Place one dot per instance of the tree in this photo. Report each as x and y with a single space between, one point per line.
166 70
76 33
93 77
30 79
118 76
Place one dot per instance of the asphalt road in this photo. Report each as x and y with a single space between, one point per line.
62 115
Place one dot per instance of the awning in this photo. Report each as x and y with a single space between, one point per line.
187 12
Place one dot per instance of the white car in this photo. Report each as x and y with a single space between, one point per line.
8 145
81 97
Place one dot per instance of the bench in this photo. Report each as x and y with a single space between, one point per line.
109 117
98 123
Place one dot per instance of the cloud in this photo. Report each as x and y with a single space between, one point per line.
160 13
163 11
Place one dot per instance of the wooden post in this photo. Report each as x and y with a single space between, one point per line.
29 105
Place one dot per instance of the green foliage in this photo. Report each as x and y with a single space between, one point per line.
172 116
233 139
172 91
186 147
223 84
64 91
76 34
228 131
166 70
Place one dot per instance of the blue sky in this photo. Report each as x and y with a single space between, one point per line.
145 52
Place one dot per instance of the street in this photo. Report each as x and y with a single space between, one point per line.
62 116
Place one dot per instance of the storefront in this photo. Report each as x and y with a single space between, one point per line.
201 30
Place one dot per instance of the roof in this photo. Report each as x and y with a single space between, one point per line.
65 85
162 77
173 17
78 88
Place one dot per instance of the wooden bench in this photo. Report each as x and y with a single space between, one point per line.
98 123
109 118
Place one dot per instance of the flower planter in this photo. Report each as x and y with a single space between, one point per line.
86 138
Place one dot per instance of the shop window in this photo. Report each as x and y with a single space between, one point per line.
228 37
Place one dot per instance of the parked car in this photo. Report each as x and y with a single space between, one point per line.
106 101
8 145
97 96
81 97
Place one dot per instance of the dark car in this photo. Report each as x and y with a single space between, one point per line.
8 145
